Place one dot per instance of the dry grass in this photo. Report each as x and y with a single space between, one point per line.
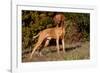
78 51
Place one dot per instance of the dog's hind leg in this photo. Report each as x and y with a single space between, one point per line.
40 40
46 43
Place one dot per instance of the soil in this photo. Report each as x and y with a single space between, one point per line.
76 51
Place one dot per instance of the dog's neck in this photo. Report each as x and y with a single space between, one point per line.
61 26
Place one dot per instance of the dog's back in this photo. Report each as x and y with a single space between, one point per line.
52 32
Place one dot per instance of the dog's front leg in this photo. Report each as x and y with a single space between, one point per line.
63 44
57 43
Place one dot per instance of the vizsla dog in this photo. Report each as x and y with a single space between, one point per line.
57 33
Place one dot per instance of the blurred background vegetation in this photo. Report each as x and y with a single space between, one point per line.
77 26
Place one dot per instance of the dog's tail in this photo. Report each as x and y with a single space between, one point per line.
35 36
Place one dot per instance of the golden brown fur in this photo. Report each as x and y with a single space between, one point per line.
51 33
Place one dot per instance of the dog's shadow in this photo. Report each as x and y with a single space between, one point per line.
67 49
72 47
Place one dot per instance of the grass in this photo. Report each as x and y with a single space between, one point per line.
77 51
